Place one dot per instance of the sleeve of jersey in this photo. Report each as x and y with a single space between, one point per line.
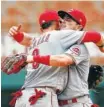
78 53
70 37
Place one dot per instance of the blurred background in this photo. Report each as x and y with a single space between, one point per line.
26 13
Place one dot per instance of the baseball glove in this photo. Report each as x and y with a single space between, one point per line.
13 63
95 76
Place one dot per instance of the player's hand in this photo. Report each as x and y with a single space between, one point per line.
100 44
29 59
14 30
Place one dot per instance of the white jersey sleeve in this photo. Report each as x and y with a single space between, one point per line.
70 37
78 53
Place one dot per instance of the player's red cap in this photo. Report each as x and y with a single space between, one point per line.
75 14
48 16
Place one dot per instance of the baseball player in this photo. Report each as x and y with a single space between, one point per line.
40 76
41 84
76 93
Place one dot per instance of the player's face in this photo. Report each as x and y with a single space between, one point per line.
68 23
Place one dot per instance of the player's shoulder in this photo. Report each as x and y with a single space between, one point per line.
60 33
66 31
70 31
79 48
53 35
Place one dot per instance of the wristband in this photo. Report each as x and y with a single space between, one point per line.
19 37
42 59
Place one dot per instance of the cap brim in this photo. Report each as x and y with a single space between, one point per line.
62 14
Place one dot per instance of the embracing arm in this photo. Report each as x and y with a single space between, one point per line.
95 37
95 60
61 60
53 60
70 37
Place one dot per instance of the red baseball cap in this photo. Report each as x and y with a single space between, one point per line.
48 16
75 14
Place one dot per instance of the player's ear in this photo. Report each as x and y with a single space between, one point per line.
79 27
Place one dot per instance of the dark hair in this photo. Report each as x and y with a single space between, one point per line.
47 24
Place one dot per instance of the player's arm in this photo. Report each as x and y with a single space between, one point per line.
61 60
70 37
74 55
21 37
95 37
100 44
53 60
97 59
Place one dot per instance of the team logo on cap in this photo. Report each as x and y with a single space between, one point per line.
80 20
43 21
70 10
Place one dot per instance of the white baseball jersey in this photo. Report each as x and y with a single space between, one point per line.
78 73
52 43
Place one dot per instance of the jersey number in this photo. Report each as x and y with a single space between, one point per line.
35 52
